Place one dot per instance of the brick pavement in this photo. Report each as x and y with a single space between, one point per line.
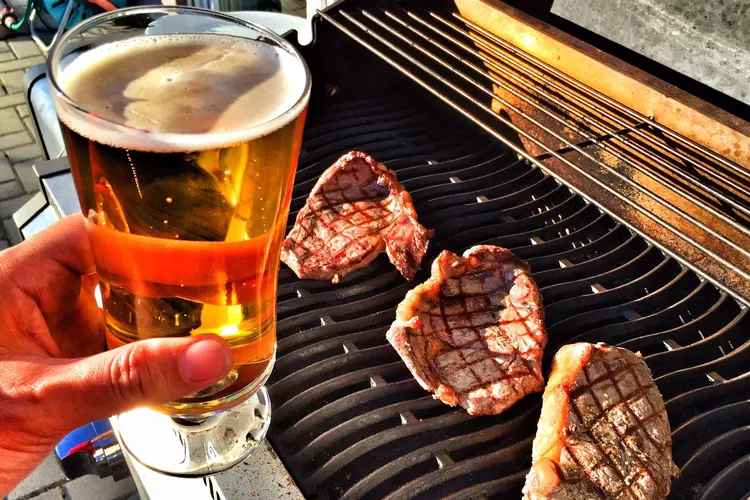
19 148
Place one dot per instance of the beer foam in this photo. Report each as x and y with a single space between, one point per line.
180 93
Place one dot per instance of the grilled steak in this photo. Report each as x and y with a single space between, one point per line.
355 211
603 432
473 333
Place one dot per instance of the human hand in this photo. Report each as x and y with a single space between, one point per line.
54 376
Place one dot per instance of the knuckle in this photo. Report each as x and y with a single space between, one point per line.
128 373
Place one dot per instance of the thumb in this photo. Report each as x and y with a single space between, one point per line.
148 372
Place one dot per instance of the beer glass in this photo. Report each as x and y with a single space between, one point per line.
183 128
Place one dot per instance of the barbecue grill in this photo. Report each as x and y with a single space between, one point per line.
628 197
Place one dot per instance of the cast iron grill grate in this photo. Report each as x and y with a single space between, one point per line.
350 422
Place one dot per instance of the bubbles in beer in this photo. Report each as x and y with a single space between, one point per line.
217 88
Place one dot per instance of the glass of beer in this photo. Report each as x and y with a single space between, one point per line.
183 130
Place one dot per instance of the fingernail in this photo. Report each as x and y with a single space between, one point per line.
206 360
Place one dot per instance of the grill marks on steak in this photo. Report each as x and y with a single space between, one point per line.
356 210
603 432
473 333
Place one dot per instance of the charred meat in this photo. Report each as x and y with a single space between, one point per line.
473 333
356 210
603 432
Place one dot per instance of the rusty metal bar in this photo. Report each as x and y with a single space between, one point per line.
528 85
612 102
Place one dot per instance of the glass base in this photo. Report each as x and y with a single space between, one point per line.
196 447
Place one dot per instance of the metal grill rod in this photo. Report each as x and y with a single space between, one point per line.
612 102
571 145
600 109
527 85
554 153
522 153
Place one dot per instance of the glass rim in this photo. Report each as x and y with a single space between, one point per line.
54 56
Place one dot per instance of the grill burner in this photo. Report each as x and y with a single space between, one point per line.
350 421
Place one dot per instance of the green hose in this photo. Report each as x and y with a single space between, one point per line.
18 24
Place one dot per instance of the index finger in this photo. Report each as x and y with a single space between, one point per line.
65 242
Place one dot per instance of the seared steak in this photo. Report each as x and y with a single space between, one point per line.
473 333
355 211
603 432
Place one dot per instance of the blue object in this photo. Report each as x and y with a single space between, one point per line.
51 11
82 439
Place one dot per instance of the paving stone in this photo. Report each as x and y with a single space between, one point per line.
31 127
23 110
15 139
4 47
7 56
53 494
28 177
12 99
9 122
24 153
9 207
12 81
6 171
46 475
94 488
10 189
11 231
288 6
24 63
24 47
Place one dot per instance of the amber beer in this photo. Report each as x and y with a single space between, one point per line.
184 161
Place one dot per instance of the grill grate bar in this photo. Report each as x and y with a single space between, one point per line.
521 152
522 79
608 100
510 453
505 486
389 436
557 136
598 140
498 460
